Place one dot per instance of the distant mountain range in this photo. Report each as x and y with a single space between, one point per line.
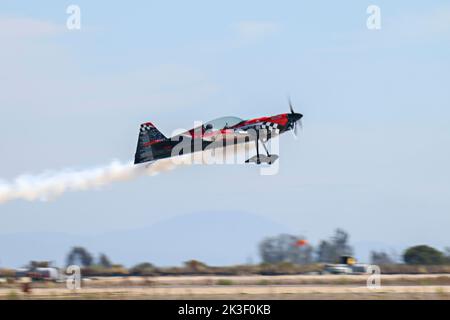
214 238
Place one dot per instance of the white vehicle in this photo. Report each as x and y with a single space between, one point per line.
338 269
49 273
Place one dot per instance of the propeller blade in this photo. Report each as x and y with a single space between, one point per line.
290 106
294 130
297 124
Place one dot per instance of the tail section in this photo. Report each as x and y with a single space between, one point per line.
148 137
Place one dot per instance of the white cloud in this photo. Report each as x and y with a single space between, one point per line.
27 28
255 30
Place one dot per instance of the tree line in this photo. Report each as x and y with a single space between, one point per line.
275 250
284 248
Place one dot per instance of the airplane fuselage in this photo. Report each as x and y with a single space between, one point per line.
222 132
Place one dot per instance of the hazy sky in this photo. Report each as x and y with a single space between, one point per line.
373 157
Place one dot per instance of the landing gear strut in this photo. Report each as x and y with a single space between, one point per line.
258 159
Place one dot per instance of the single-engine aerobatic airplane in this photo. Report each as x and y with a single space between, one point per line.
153 145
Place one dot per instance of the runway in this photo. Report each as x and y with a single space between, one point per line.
243 287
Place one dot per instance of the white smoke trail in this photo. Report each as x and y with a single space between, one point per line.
50 185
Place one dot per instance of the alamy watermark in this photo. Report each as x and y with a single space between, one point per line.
73 21
73 277
225 147
374 280
374 20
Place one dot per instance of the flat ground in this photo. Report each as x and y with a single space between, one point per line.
241 287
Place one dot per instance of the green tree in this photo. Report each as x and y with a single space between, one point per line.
79 256
423 255
447 254
104 261
381 257
195 265
330 250
283 248
143 269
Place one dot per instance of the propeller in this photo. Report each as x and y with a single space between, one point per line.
297 123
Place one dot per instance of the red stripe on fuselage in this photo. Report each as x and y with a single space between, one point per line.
281 119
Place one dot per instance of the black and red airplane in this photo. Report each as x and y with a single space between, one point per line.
153 145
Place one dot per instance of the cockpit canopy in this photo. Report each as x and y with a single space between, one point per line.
214 125
223 123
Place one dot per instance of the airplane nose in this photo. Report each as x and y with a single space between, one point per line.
295 116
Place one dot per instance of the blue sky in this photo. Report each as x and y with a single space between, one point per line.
372 159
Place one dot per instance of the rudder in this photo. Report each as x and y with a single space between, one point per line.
148 136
